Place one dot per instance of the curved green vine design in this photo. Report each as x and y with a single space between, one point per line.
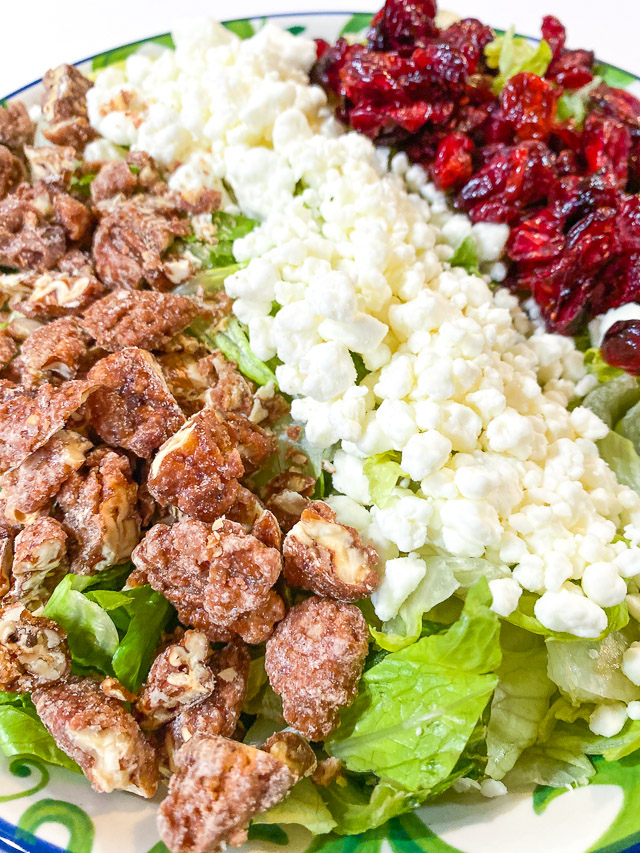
77 821
21 767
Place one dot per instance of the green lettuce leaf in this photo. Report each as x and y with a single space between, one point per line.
234 344
417 708
91 633
629 426
520 701
511 55
383 472
466 256
208 280
558 762
574 105
149 612
612 399
594 361
621 456
303 806
356 806
587 671
22 733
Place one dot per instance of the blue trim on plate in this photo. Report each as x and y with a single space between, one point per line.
12 839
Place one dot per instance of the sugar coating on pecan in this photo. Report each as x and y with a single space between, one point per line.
227 390
179 676
131 241
30 238
61 293
33 650
98 505
12 171
218 577
29 418
133 408
34 484
65 107
314 661
74 217
55 351
51 163
255 444
219 786
138 318
6 559
218 713
39 562
16 128
197 469
8 349
294 751
114 178
249 511
287 496
328 558
98 733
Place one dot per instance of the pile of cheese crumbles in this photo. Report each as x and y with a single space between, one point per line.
351 257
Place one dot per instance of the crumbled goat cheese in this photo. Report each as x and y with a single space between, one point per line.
608 720
356 258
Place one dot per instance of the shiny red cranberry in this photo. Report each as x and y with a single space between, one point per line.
403 25
621 346
572 69
529 104
619 104
322 47
537 239
452 166
470 37
607 146
554 33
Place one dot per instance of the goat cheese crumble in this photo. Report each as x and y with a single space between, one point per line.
386 348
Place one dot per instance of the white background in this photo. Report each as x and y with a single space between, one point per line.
39 34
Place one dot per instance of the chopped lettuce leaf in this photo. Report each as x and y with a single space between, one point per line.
149 612
417 708
234 344
558 762
520 701
597 366
91 633
621 456
511 55
438 585
612 399
22 733
209 280
357 807
383 472
466 256
468 570
629 426
304 806
575 105
229 227
588 671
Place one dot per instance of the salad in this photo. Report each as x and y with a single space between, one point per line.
320 485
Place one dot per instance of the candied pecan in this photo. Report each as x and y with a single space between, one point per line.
327 770
255 444
112 687
138 318
98 507
179 676
328 558
199 200
29 418
29 238
12 171
65 107
217 714
100 735
294 751
219 786
74 217
249 511
57 348
51 163
227 390
287 496
6 559
114 178
130 242
314 661
33 650
16 128
8 349
59 294
133 407
39 561
35 483
197 468
218 577
148 177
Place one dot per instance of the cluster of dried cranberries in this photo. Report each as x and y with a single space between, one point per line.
564 182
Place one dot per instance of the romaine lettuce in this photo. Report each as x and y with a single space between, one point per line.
22 733
383 472
512 54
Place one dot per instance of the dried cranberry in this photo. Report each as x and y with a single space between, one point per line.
621 346
452 166
529 104
554 33
326 71
618 104
322 47
572 69
470 37
403 24
629 224
537 239
607 145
